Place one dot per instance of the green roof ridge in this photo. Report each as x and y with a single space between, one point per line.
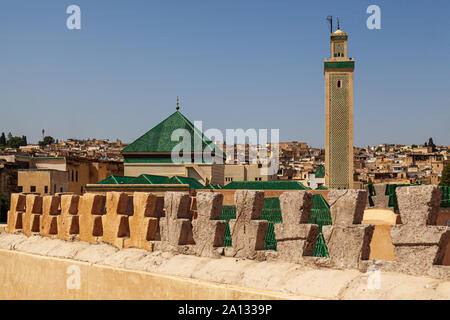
158 139
114 179
187 180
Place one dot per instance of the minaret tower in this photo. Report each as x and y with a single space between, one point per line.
339 114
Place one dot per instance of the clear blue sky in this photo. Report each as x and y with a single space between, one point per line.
235 63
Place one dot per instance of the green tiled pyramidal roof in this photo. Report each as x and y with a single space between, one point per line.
159 139
113 179
320 172
265 185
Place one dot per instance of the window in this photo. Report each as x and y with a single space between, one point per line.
339 84
72 175
33 189
46 189
259 165
20 188
76 176
61 189
54 188
81 189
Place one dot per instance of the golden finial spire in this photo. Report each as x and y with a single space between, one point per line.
178 103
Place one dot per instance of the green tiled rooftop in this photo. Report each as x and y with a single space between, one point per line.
113 179
265 185
150 179
320 172
213 186
194 184
147 179
159 139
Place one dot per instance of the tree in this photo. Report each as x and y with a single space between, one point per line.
9 135
445 178
24 140
47 141
3 140
16 142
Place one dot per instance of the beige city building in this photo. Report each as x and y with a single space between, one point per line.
82 172
339 114
247 172
42 181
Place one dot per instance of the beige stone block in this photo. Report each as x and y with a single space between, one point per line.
419 205
91 209
31 217
115 221
175 226
347 206
68 221
18 203
415 260
49 218
247 231
144 222
347 246
208 230
413 235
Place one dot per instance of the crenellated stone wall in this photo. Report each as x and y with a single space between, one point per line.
181 224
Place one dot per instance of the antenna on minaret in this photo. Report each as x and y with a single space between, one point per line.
339 27
330 20
178 103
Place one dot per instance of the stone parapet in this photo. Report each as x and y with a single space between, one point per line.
181 224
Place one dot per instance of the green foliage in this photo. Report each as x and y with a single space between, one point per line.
445 178
3 140
12 142
47 141
16 142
